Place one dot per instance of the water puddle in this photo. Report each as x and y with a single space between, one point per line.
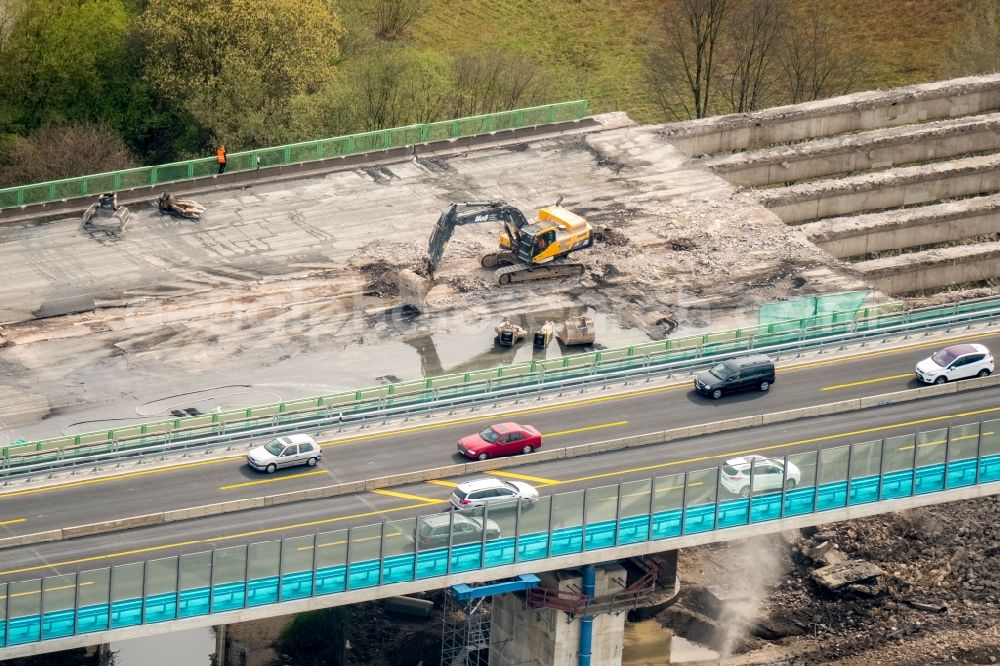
647 643
192 647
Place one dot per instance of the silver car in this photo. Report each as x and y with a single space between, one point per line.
495 492
285 452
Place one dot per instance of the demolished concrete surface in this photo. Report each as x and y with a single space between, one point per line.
290 283
921 587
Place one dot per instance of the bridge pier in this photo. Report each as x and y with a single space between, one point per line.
545 625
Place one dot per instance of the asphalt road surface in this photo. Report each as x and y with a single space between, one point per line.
354 456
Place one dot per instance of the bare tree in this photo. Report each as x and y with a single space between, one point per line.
487 82
681 65
391 18
975 48
815 59
63 152
753 29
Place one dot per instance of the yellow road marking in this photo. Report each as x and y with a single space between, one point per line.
866 381
273 480
446 484
117 477
499 416
938 442
526 477
584 429
407 496
226 537
388 535
48 589
811 440
13 521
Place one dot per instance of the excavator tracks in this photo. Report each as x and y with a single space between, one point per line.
524 273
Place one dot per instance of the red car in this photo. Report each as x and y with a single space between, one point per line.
500 439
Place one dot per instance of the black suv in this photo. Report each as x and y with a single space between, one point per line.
736 374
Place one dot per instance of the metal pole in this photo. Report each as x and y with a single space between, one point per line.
381 548
618 517
583 528
315 573
517 531
41 609
281 566
587 622
684 494
784 488
819 479
913 469
347 564
881 467
6 614
111 597
947 460
145 590
177 588
850 460
246 577
979 450
548 539
451 533
482 539
76 604
652 505
211 583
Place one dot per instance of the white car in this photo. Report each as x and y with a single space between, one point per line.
955 362
285 452
493 492
768 474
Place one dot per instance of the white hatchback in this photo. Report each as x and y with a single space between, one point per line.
285 452
955 362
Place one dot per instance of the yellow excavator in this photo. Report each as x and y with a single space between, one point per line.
529 250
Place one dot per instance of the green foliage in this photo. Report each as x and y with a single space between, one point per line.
316 638
57 59
234 64
65 151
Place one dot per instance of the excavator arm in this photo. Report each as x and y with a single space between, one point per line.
486 211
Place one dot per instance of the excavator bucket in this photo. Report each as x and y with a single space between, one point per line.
168 203
413 289
577 331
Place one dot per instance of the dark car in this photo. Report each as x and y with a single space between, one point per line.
501 439
747 373
432 531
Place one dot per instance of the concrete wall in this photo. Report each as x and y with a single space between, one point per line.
838 115
933 269
909 227
861 152
525 635
894 188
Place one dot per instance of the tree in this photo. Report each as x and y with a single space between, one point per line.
681 65
235 64
494 80
391 18
56 59
815 59
753 33
975 48
65 151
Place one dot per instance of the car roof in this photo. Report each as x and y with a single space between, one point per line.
479 484
967 348
297 438
744 462
443 519
505 427
749 360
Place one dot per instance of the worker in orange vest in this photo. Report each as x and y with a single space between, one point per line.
220 157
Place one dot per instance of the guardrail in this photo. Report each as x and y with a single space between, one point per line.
652 513
464 469
668 356
296 153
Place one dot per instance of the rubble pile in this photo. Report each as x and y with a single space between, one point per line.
907 589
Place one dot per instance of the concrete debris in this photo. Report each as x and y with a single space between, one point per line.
836 576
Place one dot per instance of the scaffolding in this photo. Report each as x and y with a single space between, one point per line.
467 620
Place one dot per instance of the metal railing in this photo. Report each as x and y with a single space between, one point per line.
381 402
296 153
409 549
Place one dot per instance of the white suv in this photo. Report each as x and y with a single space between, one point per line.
768 474
955 362
494 492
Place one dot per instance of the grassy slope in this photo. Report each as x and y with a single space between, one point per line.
594 49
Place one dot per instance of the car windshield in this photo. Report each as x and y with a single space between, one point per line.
426 529
722 371
490 435
274 447
944 358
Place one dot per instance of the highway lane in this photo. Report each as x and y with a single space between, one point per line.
552 477
355 455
